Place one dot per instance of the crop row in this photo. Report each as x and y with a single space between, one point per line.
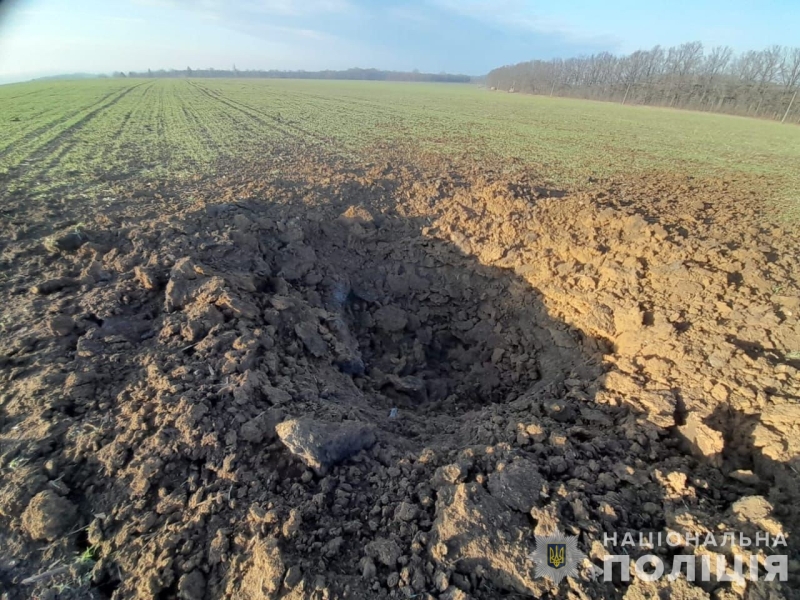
56 134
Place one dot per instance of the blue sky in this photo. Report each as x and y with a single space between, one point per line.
40 37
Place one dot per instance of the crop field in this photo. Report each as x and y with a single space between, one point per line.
312 340
87 132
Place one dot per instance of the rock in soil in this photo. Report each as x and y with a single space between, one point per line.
322 445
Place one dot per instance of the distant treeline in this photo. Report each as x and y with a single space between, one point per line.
756 83
357 74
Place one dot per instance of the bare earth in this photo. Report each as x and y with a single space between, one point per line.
198 382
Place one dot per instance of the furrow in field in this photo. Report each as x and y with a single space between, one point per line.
371 120
119 144
226 102
118 131
59 146
341 120
269 123
251 124
304 133
223 123
127 151
131 139
192 118
224 132
38 132
39 91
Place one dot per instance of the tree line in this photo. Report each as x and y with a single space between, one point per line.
758 83
355 74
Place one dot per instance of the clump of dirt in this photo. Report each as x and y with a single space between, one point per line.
48 516
378 382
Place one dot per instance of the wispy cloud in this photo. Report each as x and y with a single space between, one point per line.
252 17
260 29
122 20
38 12
294 8
410 13
519 15
209 10
176 3
281 8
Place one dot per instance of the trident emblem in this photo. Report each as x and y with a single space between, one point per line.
556 555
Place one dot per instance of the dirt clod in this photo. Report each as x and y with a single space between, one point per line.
69 241
704 441
387 552
517 485
192 586
322 445
48 516
61 325
264 571
390 318
475 531
54 285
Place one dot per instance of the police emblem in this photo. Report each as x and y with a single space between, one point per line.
557 556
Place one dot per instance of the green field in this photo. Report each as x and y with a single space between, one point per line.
85 133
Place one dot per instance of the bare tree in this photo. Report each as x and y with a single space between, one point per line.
716 62
790 68
755 82
714 65
771 60
689 56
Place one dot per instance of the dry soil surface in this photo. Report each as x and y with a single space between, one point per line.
320 380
